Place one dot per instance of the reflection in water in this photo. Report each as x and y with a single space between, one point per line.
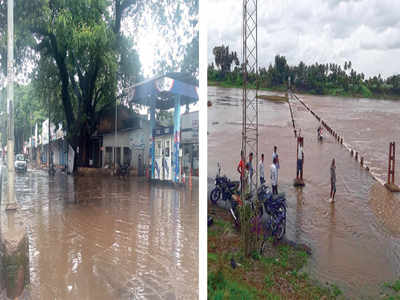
354 241
299 214
103 238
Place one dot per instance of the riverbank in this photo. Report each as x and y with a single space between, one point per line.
336 92
274 275
279 273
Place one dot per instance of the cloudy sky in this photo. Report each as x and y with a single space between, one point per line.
367 32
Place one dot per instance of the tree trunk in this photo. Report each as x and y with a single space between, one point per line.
84 148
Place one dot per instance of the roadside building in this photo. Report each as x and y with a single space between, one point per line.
129 146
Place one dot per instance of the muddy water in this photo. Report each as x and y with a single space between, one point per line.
354 241
103 238
368 125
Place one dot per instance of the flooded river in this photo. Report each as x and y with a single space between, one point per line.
104 238
356 240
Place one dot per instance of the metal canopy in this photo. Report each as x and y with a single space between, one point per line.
164 89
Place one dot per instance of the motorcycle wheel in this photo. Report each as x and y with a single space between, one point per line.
215 195
279 229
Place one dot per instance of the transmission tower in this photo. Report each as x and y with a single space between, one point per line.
250 76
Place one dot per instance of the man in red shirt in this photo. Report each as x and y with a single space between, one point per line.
240 169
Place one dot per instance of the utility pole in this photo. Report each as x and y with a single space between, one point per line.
249 240
116 106
48 145
11 204
249 95
115 135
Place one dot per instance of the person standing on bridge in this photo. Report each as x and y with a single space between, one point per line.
274 177
333 181
300 158
261 169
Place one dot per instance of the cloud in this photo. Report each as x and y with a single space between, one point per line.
363 31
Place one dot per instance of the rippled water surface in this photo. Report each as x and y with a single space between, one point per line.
356 240
104 238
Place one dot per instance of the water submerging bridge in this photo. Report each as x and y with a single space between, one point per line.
389 184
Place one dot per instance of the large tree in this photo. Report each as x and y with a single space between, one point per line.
224 58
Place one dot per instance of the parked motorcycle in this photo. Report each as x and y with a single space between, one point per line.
270 217
224 188
275 207
123 171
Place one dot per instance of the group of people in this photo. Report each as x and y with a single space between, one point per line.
246 171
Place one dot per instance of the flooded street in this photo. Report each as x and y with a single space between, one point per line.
105 238
356 240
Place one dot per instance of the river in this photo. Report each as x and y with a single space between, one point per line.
355 241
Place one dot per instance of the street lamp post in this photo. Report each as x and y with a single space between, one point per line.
115 135
11 204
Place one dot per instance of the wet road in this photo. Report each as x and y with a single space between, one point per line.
104 238
356 241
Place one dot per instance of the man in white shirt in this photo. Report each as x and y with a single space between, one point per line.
261 169
249 167
274 178
275 155
300 158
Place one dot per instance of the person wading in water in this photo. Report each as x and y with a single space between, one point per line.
333 181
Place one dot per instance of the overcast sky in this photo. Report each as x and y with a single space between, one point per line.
367 32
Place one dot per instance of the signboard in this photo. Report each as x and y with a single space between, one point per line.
45 132
190 128
59 133
137 141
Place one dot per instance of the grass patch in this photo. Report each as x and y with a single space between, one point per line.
220 288
274 275
394 286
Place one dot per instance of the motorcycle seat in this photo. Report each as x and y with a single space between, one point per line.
279 196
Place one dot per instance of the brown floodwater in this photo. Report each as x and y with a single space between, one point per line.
355 241
104 238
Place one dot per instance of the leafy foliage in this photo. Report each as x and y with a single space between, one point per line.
330 78
224 59
79 57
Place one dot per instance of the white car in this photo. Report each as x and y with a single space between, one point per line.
20 163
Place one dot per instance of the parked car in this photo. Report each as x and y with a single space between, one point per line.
20 163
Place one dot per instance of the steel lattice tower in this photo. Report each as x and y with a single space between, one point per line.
250 76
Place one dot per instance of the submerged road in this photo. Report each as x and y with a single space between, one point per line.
356 240
105 238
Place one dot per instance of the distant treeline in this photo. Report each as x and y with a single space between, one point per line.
322 79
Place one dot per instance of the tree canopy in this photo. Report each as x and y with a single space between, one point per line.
224 59
328 78
79 58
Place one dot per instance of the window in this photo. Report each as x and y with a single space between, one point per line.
108 157
127 156
118 155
